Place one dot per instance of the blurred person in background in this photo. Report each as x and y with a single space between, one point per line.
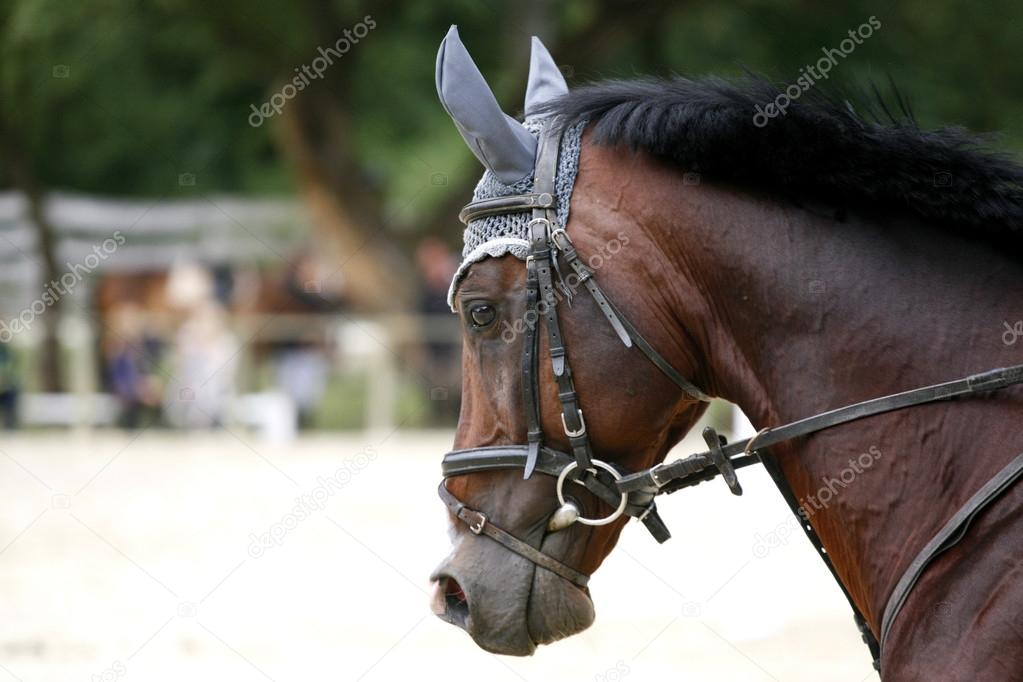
436 264
300 372
204 366
130 357
301 365
9 388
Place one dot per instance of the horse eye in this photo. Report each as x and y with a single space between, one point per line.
482 315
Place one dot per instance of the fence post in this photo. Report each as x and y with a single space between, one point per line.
76 333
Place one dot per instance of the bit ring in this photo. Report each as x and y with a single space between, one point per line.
563 476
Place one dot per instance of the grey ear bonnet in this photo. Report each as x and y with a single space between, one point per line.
500 142
505 147
545 80
498 235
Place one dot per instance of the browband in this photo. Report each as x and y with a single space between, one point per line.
518 203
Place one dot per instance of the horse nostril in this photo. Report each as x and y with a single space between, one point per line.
453 593
449 601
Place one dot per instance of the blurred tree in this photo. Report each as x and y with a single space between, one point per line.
120 96
111 98
22 171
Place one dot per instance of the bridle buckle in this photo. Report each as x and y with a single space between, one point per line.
529 225
582 425
477 525
561 232
654 470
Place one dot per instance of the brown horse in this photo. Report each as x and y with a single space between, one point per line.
815 261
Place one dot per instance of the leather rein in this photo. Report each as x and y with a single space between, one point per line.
550 249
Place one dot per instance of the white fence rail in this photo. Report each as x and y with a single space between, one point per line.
376 347
213 230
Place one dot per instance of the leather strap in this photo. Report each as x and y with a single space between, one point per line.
571 413
700 467
503 205
585 276
550 462
626 331
530 371
771 465
661 475
499 457
542 255
479 524
950 534
662 364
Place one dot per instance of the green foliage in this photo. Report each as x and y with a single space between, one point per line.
121 96
109 97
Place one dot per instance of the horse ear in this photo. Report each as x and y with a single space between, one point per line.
500 142
545 80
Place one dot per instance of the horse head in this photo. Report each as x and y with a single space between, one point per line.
600 400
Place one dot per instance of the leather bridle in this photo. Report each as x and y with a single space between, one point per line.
550 249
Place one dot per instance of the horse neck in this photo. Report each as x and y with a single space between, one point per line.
796 313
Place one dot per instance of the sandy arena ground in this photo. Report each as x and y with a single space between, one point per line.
127 556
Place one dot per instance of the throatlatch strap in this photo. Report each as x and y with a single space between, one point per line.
658 359
585 276
620 323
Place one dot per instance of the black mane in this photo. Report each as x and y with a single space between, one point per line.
821 150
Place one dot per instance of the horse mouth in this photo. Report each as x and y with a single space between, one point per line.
544 609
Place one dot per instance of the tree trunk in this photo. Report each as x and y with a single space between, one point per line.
21 172
50 359
346 212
